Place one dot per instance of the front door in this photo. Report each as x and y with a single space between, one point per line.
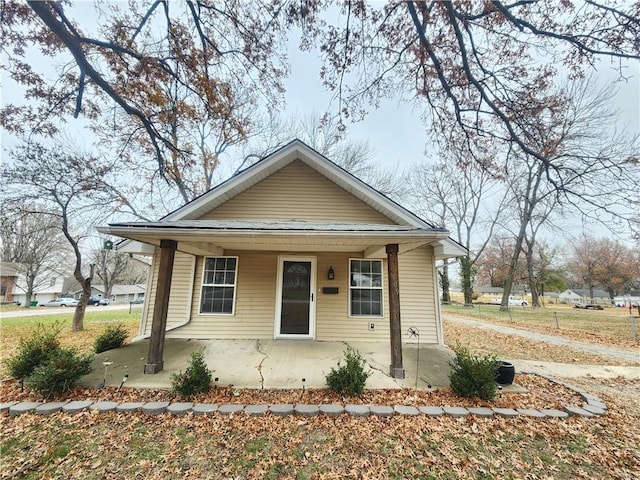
296 297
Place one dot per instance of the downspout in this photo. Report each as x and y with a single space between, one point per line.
436 298
142 336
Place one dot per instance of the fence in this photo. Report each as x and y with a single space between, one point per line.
611 323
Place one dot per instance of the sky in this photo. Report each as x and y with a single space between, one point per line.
395 131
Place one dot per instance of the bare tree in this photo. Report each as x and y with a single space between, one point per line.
70 187
605 263
479 69
110 267
173 69
582 160
324 135
456 194
33 242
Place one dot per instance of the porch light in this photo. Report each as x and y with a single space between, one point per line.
331 274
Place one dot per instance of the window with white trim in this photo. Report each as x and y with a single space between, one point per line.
365 288
218 285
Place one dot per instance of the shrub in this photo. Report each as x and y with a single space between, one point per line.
350 378
112 337
60 372
196 379
33 351
472 375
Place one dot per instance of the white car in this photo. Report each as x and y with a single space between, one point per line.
513 301
62 302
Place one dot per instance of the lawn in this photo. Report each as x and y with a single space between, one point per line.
119 445
611 326
95 322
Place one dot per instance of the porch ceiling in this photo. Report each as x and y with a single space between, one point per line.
213 237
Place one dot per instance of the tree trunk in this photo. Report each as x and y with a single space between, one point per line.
535 301
78 316
466 276
508 282
444 279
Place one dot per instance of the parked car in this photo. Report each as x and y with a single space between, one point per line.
138 300
588 306
512 301
61 302
95 300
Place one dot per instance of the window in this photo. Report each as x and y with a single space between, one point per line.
365 289
218 285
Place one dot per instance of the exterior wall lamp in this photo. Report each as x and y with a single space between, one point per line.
331 274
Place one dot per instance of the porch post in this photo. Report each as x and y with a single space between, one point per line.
161 306
395 327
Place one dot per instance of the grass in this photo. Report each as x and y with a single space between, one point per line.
95 322
611 326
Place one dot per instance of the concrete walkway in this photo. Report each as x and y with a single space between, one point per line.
271 363
616 353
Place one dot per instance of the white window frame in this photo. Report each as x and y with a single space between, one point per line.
381 288
203 284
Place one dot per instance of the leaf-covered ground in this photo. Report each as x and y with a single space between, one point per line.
117 445
124 446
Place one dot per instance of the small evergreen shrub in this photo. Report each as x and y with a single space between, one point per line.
112 337
196 379
33 351
350 378
60 372
472 375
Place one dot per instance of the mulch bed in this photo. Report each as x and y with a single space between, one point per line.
541 394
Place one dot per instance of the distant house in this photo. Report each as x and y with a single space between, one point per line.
8 279
49 287
582 295
119 293
628 299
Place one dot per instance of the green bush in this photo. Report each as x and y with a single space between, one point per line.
472 375
350 378
33 351
196 379
60 372
112 337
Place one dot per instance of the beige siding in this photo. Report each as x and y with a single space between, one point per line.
418 308
297 192
254 315
255 301
180 296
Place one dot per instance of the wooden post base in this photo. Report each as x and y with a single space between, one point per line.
153 368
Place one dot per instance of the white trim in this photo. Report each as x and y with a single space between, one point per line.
381 260
436 299
147 294
235 288
312 300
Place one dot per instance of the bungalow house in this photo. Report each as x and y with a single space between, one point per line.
583 295
293 247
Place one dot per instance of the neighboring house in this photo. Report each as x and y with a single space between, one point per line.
119 293
628 299
583 295
49 288
293 247
8 280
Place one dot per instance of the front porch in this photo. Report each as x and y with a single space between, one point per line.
271 363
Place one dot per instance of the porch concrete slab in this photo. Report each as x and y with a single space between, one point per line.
270 363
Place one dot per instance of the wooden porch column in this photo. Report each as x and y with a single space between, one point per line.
161 306
395 327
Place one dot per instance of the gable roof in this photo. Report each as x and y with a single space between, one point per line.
295 150
184 219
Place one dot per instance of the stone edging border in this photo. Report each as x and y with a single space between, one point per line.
593 406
